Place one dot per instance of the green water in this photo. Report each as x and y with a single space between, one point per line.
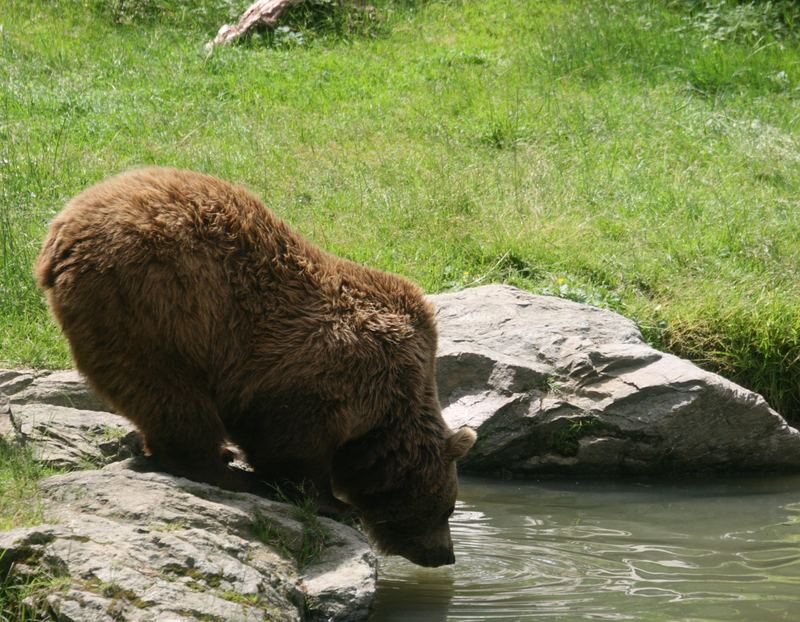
721 550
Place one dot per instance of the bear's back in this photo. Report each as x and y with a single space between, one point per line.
184 262
158 213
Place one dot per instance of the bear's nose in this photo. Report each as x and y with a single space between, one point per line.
434 559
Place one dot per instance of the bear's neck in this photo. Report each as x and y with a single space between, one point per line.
415 435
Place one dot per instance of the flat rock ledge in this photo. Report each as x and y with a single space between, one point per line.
128 545
557 388
122 543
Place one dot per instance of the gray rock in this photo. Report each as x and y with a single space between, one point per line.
559 388
133 545
63 421
59 388
14 380
7 431
67 438
11 381
341 583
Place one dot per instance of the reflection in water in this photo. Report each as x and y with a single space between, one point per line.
603 551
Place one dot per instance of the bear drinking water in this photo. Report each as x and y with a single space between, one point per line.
203 318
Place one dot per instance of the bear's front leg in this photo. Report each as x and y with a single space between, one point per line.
302 481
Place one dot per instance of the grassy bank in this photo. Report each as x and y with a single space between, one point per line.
642 155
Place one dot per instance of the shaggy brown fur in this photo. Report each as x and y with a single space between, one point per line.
202 318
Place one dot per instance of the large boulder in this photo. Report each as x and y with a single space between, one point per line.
122 544
558 388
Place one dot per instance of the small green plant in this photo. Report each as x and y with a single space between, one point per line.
271 533
315 537
169 527
566 439
564 287
248 600
196 579
117 592
553 386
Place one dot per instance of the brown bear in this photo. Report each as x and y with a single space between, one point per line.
203 318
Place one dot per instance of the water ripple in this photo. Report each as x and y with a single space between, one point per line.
574 560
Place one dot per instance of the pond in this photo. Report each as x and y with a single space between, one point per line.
702 550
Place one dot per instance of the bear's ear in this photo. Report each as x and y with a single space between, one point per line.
460 443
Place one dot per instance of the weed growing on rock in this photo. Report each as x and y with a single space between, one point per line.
566 440
314 537
251 600
271 533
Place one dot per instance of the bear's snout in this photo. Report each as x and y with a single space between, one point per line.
433 558
432 550
440 558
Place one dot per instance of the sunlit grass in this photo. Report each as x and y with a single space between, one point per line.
19 473
639 155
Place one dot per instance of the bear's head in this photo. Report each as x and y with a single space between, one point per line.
404 505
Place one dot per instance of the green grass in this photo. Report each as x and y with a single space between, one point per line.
22 596
19 473
642 155
20 506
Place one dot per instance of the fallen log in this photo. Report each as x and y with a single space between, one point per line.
260 13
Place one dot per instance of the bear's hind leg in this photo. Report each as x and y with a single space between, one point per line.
189 442
180 423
